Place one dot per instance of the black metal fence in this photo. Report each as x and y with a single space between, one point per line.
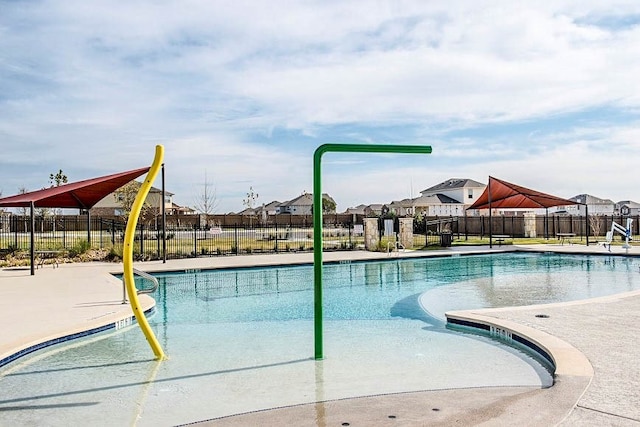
70 232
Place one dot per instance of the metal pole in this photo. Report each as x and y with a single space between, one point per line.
32 249
490 228
164 221
586 221
317 218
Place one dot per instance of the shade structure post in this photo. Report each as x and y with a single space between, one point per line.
164 221
490 220
32 237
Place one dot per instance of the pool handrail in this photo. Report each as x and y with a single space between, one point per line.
144 275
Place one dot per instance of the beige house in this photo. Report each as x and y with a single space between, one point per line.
431 205
112 203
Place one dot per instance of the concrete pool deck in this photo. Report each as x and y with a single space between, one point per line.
598 334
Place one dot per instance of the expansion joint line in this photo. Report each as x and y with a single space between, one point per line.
607 413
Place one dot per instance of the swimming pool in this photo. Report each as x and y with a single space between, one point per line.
242 339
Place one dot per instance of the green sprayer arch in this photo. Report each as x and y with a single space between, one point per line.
317 217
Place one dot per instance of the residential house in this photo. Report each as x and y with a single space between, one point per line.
375 209
627 207
263 212
112 203
595 205
301 205
402 207
448 198
438 205
270 208
463 190
358 210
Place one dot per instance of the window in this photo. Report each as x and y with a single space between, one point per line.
470 193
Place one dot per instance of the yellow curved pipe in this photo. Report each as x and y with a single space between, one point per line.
127 253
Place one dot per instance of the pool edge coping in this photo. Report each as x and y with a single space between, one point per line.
113 322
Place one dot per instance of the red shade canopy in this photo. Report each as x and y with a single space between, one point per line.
507 195
79 195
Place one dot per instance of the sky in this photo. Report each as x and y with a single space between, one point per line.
241 93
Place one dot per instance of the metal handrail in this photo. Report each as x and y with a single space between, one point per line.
144 275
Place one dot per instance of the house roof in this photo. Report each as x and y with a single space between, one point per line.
503 194
588 199
356 209
629 203
270 205
435 199
305 199
79 195
453 183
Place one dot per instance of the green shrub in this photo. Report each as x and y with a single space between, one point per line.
79 248
115 253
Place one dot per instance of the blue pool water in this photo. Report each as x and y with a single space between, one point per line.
242 339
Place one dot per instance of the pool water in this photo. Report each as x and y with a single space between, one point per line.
242 340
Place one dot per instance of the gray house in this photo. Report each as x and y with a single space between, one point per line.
301 205
596 205
627 207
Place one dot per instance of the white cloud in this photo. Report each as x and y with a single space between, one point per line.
91 88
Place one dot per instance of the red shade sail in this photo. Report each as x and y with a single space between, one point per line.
79 195
506 195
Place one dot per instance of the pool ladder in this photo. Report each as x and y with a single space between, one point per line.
397 245
144 275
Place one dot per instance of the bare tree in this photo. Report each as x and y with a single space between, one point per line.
23 210
250 202
56 180
207 202
126 195
595 222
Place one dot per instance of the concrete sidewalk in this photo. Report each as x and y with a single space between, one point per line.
600 333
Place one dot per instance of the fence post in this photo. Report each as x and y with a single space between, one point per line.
113 232
15 228
195 240
142 241
235 247
276 247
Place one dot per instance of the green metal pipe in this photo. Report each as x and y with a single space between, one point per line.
317 218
